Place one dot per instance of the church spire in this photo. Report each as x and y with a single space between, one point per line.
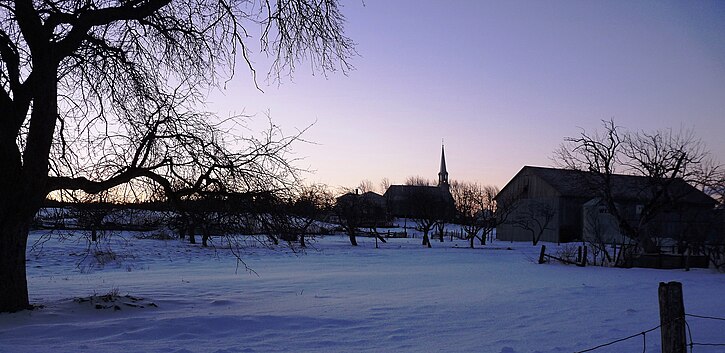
443 174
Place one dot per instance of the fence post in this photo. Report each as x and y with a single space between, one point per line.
579 254
672 317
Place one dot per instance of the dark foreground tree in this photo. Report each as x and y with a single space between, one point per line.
95 94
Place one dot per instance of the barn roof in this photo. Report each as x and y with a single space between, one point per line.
575 183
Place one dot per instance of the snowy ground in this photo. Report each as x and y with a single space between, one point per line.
336 298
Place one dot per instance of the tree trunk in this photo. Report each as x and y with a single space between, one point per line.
535 238
23 178
302 241
182 232
426 240
192 230
13 243
204 236
353 240
17 208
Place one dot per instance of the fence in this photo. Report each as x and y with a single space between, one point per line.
676 335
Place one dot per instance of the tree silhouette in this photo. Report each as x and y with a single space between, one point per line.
533 216
475 209
672 166
97 94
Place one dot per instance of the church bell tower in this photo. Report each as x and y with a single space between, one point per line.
443 173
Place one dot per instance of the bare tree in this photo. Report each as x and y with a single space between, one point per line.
673 165
475 209
97 94
91 211
355 211
717 189
595 233
366 186
311 204
384 184
429 206
425 224
535 217
490 212
349 213
418 181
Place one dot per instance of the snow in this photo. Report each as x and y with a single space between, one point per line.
400 297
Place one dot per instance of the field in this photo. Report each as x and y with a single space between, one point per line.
169 296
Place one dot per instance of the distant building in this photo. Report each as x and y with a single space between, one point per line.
422 201
578 212
363 210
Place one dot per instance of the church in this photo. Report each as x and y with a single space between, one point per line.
422 201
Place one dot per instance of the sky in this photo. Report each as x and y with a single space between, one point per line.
501 83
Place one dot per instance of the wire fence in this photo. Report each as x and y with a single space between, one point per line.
690 344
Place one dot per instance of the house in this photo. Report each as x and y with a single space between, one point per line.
565 205
422 201
362 210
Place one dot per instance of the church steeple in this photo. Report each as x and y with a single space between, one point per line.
443 174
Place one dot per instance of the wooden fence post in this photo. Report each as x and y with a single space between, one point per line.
579 254
672 318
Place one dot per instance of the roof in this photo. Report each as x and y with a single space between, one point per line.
411 200
409 190
576 183
369 196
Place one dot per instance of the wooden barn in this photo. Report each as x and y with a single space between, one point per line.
562 204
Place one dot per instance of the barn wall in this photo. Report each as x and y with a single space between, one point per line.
567 223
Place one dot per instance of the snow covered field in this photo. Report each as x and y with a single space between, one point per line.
337 298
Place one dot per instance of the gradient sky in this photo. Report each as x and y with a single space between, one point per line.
503 82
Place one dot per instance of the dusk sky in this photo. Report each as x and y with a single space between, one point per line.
502 82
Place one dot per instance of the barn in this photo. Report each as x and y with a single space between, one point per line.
561 205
